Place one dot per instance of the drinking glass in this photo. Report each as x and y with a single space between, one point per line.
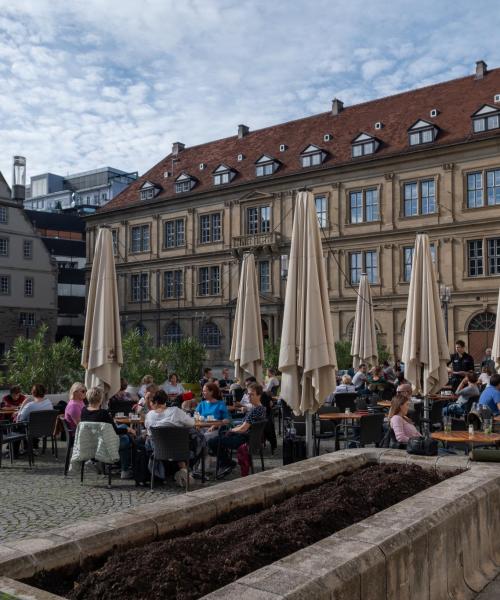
488 426
347 411
447 424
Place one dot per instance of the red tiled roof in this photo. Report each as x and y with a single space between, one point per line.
455 100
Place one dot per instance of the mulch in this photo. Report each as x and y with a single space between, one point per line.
190 566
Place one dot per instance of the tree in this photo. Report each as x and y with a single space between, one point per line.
343 352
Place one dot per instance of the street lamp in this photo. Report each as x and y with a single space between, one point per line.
445 296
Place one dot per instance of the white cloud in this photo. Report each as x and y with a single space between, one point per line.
93 83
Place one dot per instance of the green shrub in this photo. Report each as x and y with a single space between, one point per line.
271 354
343 352
186 358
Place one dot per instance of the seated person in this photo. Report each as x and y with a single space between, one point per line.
212 405
273 382
466 390
146 380
14 398
145 404
376 380
38 401
399 422
360 377
345 387
207 376
76 404
122 394
491 395
244 404
485 376
225 381
96 414
237 436
173 387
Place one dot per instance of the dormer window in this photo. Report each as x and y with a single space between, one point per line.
312 156
266 165
223 174
486 118
184 183
422 132
149 190
364 144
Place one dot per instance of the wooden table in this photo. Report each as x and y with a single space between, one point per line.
462 437
8 410
384 403
497 419
206 424
443 397
129 421
342 416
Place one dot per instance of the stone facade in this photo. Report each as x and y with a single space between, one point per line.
437 173
28 275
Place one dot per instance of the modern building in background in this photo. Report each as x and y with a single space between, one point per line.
64 237
380 171
28 273
81 192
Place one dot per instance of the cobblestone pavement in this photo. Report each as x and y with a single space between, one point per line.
33 500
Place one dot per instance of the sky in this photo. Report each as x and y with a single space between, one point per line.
115 82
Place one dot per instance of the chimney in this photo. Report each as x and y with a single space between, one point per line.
242 131
337 106
19 179
177 148
481 69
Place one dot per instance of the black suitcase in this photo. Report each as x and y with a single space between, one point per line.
294 449
140 460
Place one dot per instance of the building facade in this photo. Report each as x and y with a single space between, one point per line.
80 192
381 171
64 237
28 274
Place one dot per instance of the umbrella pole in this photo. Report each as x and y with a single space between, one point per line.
309 434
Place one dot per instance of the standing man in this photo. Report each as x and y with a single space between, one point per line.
461 364
488 362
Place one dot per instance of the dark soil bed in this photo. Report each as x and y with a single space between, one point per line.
190 566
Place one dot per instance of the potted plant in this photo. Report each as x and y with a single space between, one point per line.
186 358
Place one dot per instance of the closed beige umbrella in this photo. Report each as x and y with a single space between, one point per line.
247 346
425 349
307 354
495 348
364 336
102 343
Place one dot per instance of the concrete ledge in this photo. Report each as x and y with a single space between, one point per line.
21 591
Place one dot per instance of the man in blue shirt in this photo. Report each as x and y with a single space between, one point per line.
491 395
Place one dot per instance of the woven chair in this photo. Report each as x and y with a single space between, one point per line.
8 436
255 442
172 444
41 424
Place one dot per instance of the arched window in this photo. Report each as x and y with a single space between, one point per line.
210 335
350 330
172 333
140 327
480 332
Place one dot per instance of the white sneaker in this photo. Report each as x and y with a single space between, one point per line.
127 474
181 478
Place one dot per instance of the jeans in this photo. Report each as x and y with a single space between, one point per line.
454 410
124 452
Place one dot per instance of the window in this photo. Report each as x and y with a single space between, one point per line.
264 276
258 219
210 335
483 257
4 246
364 206
27 319
4 285
222 175
28 286
114 237
184 183
3 214
364 144
477 183
173 334
265 166
210 228
209 281
173 233
419 198
422 132
139 287
312 156
321 210
147 194
173 284
139 239
486 118
363 262
408 252
27 248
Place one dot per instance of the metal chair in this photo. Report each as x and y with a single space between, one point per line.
371 430
172 444
70 442
41 424
7 436
255 445
435 416
345 400
326 430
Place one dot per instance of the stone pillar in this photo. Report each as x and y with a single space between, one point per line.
445 194
388 212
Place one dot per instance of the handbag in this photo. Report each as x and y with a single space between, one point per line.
423 446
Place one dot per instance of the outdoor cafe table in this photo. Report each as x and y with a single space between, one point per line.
131 422
342 416
443 397
384 403
203 424
463 437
